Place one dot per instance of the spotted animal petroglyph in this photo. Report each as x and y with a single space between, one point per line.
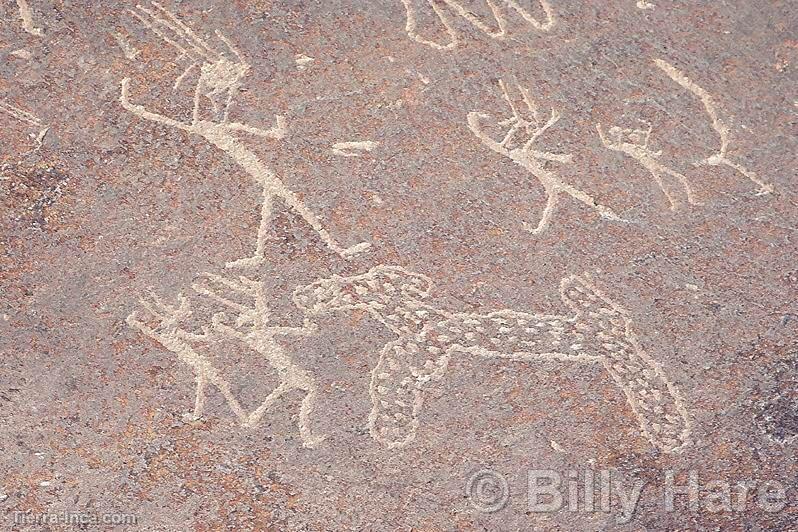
20 115
526 120
218 81
634 143
455 8
721 128
244 316
597 331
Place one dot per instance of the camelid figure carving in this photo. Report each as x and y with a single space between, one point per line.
721 128
530 123
498 32
597 331
249 324
634 143
220 76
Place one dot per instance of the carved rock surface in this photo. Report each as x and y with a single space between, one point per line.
398 264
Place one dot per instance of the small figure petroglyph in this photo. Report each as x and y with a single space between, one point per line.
245 318
634 143
25 117
528 121
219 79
26 15
597 331
721 128
354 148
642 4
497 32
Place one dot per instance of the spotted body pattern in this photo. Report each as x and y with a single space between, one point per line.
598 331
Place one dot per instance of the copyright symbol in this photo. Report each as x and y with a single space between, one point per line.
487 491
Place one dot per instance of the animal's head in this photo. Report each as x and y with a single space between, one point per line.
370 290
636 137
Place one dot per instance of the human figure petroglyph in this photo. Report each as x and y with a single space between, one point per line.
245 318
219 78
457 9
597 331
20 115
526 119
721 128
634 143
26 15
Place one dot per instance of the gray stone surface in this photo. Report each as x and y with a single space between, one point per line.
109 206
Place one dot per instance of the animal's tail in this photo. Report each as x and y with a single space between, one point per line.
653 398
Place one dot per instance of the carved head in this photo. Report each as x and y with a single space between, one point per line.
368 291
636 137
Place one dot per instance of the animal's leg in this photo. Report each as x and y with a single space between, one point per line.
608 331
655 173
293 201
308 404
257 414
396 397
686 184
548 211
199 400
764 188
604 212
263 234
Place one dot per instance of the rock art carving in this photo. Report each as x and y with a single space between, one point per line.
219 78
526 120
721 128
354 148
634 143
130 51
597 331
27 118
245 318
642 4
26 15
440 7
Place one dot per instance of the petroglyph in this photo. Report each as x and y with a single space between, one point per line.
597 331
130 51
499 31
526 119
218 81
20 115
634 143
642 4
721 128
26 15
245 318
302 61
354 148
